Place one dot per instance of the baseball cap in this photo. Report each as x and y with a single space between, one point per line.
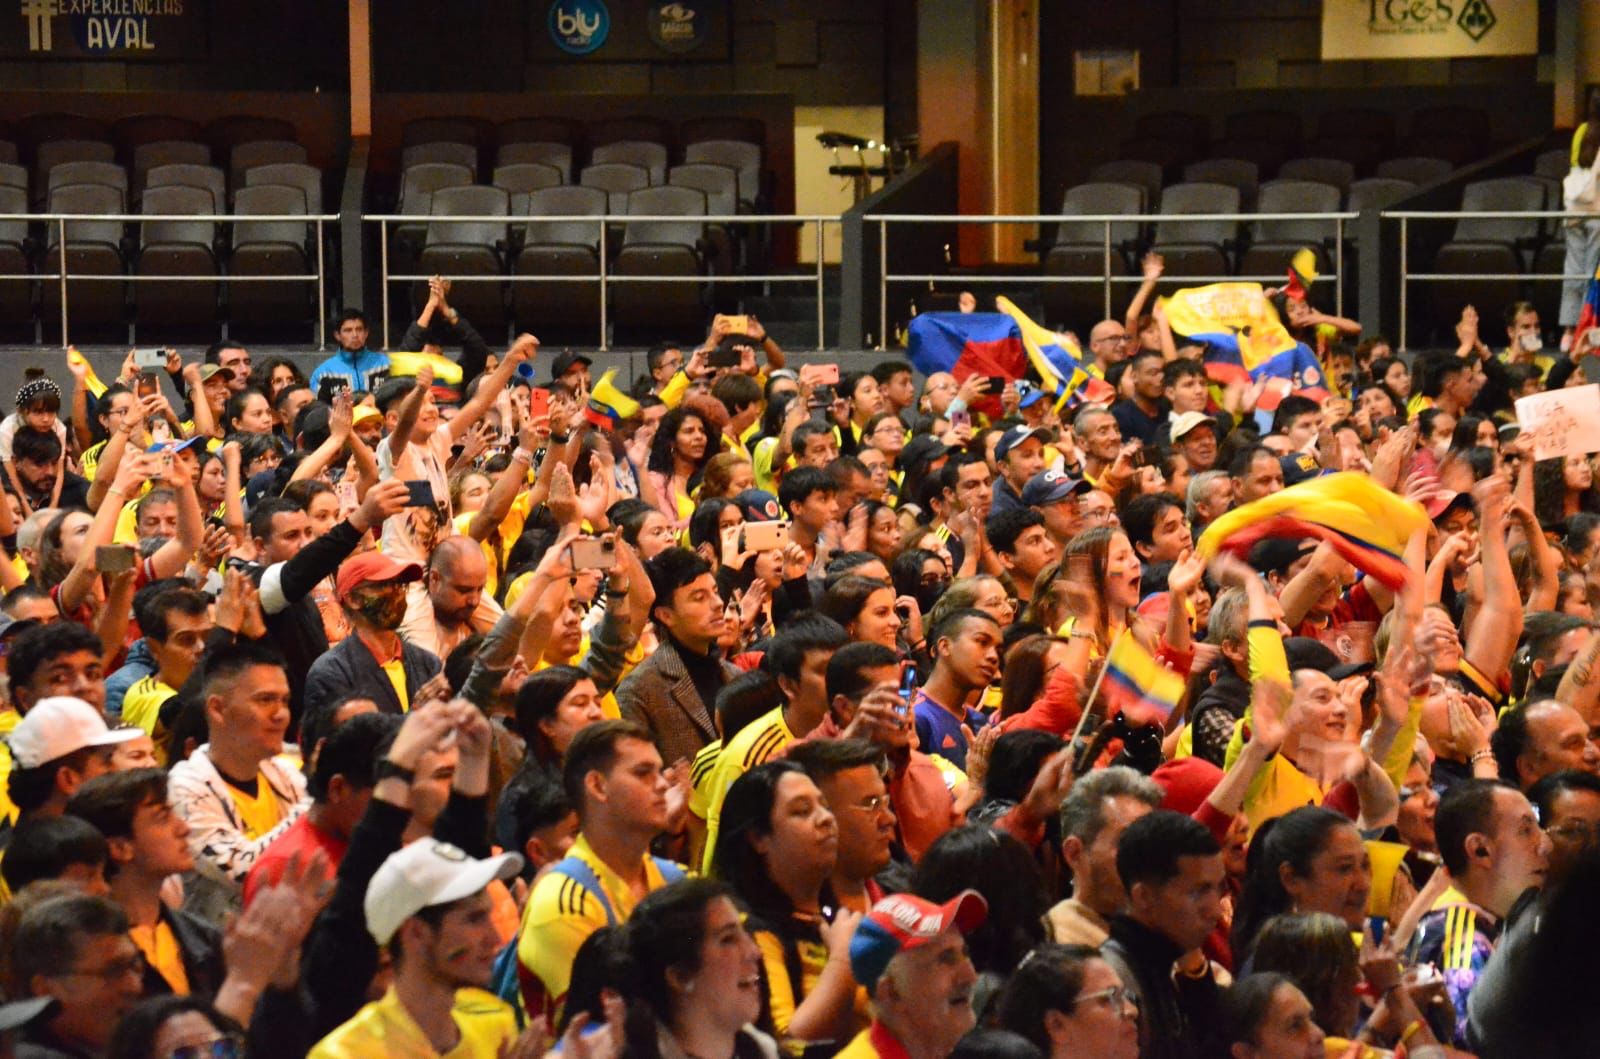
922 448
1016 436
373 566
175 445
1304 652
758 505
10 626
1186 782
1028 394
1299 467
1052 487
427 873
62 725
1274 555
363 412
564 362
902 922
1446 500
1187 421
211 371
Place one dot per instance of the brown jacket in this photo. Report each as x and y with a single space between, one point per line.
659 696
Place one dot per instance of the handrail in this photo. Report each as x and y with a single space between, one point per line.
59 222
1097 218
604 276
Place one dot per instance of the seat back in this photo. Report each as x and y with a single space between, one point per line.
526 176
1335 171
167 152
1198 198
439 130
198 176
109 174
136 130
294 174
13 176
177 199
698 130
8 152
39 129
269 199
1502 194
539 130
1100 198
56 152
464 154
543 152
471 200
720 184
638 127
13 200
1296 196
617 179
1377 192
1146 175
421 181
738 155
1553 163
666 200
1416 170
86 198
651 157
261 152
566 200
1235 172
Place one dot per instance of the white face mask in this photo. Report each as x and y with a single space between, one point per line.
1531 343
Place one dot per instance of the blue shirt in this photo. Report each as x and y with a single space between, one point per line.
140 663
938 731
363 370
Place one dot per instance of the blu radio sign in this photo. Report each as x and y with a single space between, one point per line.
579 27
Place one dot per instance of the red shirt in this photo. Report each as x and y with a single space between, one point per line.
303 838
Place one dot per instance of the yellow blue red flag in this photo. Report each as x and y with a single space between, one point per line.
1056 358
1137 684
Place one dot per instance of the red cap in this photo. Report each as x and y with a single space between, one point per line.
1187 781
373 566
901 922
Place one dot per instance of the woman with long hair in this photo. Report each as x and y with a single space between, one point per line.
1029 665
247 412
922 575
1309 860
1562 487
712 516
865 607
552 706
776 849
679 452
1001 868
694 977
273 375
1071 1004
884 537
1266 1016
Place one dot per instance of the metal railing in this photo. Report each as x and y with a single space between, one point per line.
604 276
1336 220
62 274
1407 277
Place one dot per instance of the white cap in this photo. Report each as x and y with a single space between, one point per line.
427 873
59 726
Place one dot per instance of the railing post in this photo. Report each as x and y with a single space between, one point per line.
1105 268
383 255
604 291
61 263
1405 279
883 284
1338 266
821 328
322 294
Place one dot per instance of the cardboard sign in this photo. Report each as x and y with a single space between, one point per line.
1563 422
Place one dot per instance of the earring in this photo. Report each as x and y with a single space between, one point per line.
689 988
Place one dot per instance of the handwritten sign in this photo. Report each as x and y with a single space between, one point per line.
1562 422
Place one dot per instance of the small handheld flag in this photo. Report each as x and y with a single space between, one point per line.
1141 687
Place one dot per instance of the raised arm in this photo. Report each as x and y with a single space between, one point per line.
204 423
410 408
1492 638
338 436
1152 267
132 472
170 559
80 397
522 349
232 491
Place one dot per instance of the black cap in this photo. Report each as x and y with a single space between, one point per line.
564 362
1304 652
923 448
1274 555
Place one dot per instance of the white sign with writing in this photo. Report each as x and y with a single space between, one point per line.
1562 422
1428 29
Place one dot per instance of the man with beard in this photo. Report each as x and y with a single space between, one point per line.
448 604
373 662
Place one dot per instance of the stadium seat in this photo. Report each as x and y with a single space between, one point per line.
1079 305
147 156
269 248
721 187
661 248
1274 243
560 248
741 156
467 249
94 248
1334 171
1197 248
246 156
1234 172
1267 155
1549 260
556 155
616 179
463 154
1279 127
1455 148
295 174
14 176
1489 296
440 130
55 152
1415 169
108 174
199 176
1101 198
526 176
702 130
417 186
16 295
1365 123
1142 174
651 157
1553 163
1362 154
539 130
137 130
176 248
1377 193
224 134
1169 155
645 129
668 201
1505 194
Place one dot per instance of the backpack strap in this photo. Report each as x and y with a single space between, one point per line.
578 870
671 871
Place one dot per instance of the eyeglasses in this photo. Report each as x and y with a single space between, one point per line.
1118 998
228 1046
133 966
1576 831
875 804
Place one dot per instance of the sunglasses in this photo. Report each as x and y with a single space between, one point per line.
229 1046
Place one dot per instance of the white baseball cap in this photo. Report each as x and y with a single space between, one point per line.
427 873
59 726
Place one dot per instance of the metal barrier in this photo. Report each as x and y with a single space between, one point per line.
60 221
604 276
1405 217
1106 280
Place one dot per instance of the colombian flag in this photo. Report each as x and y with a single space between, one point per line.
1589 316
967 344
1135 683
608 405
1366 523
1245 340
1057 359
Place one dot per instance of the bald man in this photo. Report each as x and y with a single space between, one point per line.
449 604
1108 344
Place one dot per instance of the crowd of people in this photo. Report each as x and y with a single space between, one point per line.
481 708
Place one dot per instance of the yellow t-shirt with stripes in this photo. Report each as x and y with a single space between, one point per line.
756 743
385 1027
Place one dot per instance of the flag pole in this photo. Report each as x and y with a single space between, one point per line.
1079 744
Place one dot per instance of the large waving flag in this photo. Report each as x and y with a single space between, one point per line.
1057 359
966 344
1138 685
1589 315
1366 523
1245 339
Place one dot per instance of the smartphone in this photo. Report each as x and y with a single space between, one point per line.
724 356
146 359
148 384
960 419
419 493
820 374
908 684
330 387
593 553
538 402
997 383
160 430
730 544
737 325
765 536
113 558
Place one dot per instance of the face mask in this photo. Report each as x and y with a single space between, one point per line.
1531 343
928 595
383 610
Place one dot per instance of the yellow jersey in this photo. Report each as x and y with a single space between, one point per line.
384 1027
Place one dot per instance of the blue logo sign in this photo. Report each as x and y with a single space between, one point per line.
579 26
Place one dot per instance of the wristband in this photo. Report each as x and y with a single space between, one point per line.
1411 1031
387 769
561 439
1480 755
520 453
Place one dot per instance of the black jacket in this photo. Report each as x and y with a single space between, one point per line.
200 946
474 350
1178 1016
1215 712
350 669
